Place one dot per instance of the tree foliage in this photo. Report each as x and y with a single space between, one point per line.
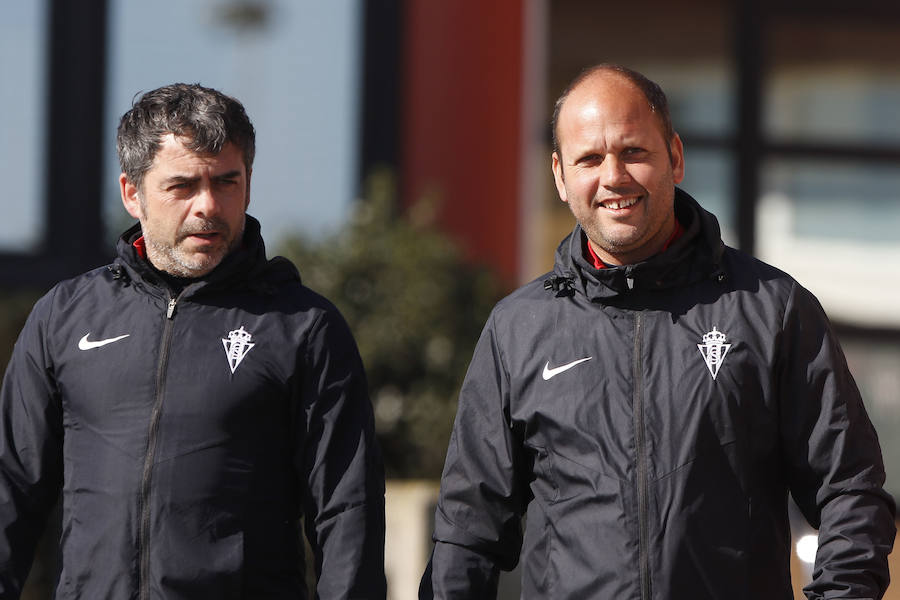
416 308
14 309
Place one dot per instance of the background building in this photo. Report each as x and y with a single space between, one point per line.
788 111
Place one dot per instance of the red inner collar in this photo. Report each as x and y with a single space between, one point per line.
140 247
599 264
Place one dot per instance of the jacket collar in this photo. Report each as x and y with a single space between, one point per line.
694 256
237 267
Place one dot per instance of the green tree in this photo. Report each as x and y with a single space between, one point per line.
416 308
14 309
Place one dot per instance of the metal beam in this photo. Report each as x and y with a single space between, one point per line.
73 142
749 30
75 133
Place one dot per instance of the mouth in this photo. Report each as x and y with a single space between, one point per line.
203 237
620 203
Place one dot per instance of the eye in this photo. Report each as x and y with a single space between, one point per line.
634 153
178 186
227 179
589 159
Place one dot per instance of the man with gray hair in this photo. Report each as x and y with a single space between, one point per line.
192 400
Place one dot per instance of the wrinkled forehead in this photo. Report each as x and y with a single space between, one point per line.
176 153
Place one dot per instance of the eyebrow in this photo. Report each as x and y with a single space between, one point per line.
584 157
178 179
185 179
229 175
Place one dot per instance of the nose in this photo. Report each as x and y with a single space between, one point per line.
614 171
205 202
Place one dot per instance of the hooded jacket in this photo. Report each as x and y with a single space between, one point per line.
649 421
189 434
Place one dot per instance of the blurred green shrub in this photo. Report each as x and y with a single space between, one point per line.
416 308
14 309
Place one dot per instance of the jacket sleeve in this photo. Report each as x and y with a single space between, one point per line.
30 452
477 530
833 458
341 466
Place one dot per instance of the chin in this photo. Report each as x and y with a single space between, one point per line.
203 265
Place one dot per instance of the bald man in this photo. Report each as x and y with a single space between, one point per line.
650 403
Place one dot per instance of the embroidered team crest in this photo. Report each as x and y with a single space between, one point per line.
237 346
714 350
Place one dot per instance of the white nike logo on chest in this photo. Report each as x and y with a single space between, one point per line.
85 344
549 373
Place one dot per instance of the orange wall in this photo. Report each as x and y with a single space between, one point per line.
461 121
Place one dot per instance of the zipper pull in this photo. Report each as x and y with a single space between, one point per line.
170 312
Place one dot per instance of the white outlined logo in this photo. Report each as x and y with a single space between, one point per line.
237 346
714 350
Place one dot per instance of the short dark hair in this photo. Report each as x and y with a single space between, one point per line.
206 118
654 94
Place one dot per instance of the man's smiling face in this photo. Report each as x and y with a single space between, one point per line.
616 170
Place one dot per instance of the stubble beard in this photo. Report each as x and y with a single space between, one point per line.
174 259
611 238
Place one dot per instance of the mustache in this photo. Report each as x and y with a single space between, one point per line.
202 226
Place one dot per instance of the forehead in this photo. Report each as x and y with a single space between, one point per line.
175 156
606 102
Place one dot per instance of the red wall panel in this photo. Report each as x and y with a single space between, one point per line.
462 121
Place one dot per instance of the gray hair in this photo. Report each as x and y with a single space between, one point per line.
205 118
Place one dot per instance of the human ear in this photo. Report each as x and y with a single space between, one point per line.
676 151
130 197
559 177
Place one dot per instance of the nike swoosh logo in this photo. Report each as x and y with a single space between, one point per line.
85 344
549 373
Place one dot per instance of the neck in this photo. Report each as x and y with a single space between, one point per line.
662 240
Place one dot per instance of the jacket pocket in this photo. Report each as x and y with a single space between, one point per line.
545 485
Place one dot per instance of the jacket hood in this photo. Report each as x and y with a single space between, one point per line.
696 255
245 267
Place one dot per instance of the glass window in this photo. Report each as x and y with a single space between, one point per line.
847 103
294 66
22 111
845 202
833 226
833 80
700 94
834 223
708 177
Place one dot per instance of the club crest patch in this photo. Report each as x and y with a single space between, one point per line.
714 350
237 346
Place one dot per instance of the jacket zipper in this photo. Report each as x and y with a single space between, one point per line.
641 462
144 531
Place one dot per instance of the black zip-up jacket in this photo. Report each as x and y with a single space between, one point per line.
649 421
188 435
